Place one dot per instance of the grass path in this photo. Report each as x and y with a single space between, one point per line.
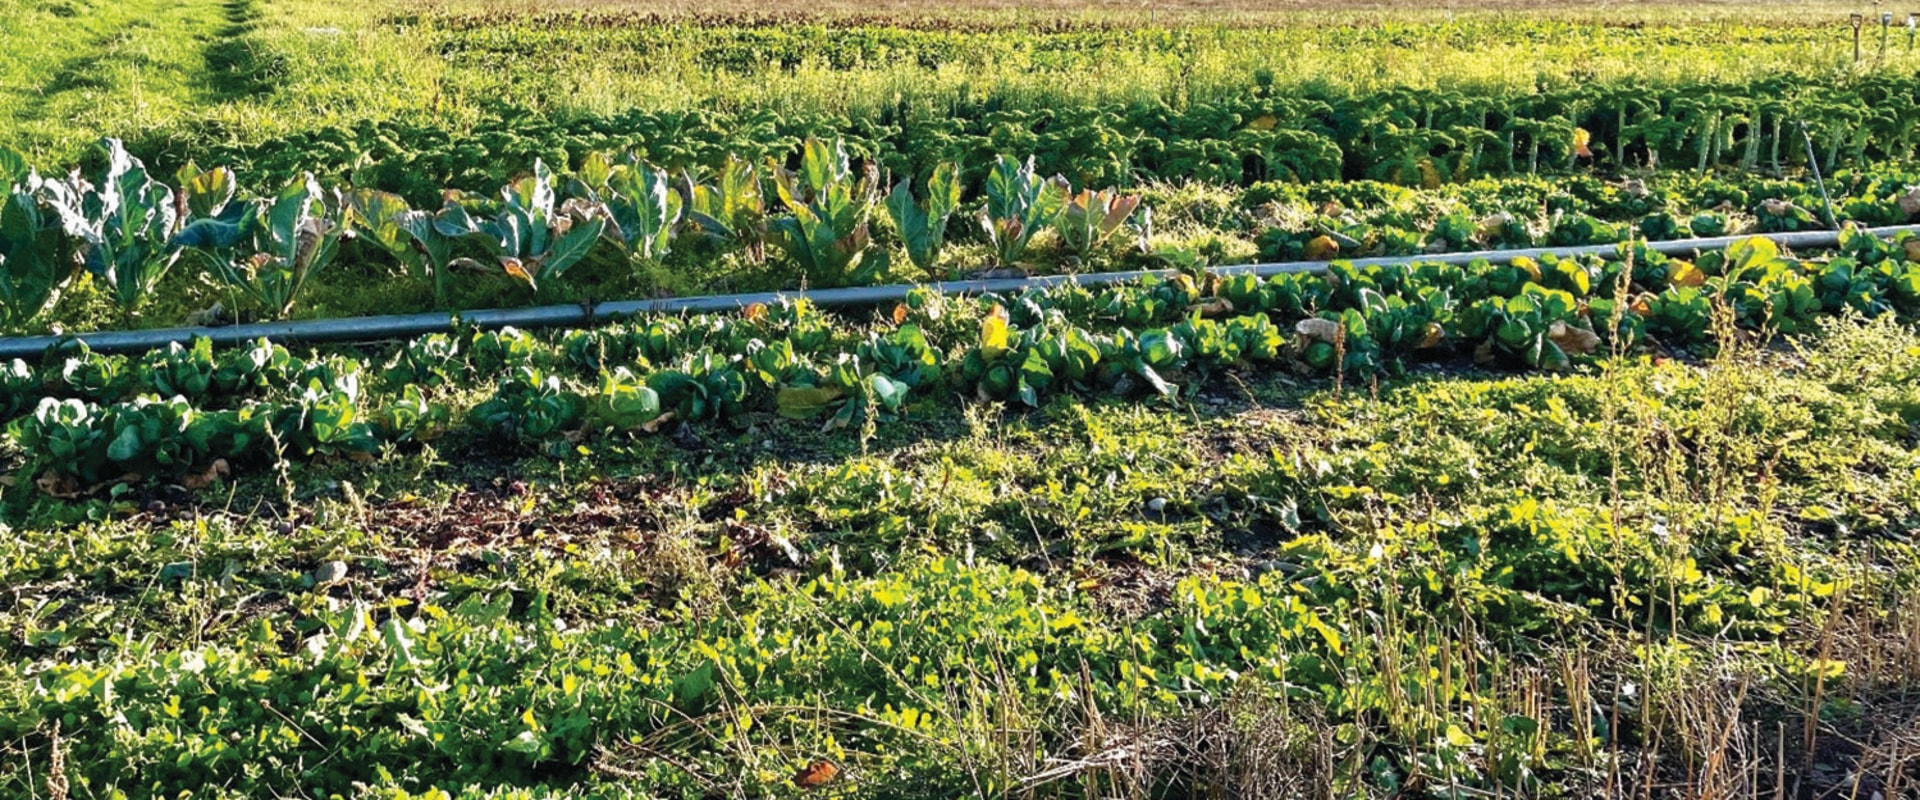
72 70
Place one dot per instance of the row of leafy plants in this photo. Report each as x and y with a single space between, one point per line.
1363 218
1413 136
128 229
99 417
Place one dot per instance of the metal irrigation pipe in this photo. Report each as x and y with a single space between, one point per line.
400 326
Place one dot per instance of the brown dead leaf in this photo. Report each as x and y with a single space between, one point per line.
657 423
58 484
1216 307
1684 273
1430 336
900 312
1913 249
1317 329
754 312
1910 202
214 472
1483 355
1322 247
515 269
1573 341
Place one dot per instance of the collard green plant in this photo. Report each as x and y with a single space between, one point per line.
923 227
122 223
419 241
828 206
1020 204
732 210
642 209
205 194
272 249
531 238
35 257
1091 217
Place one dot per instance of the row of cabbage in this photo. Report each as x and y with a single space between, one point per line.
101 418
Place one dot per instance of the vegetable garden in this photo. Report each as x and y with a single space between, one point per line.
1406 517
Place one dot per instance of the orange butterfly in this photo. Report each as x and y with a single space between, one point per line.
816 775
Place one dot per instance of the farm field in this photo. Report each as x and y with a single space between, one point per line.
1336 494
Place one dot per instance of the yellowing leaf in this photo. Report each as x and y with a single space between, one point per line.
1264 122
1684 273
515 269
993 334
1531 266
1322 248
1581 138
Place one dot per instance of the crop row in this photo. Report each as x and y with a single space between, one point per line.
1408 136
128 229
100 417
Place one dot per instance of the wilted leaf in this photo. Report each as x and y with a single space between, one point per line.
214 472
1216 307
1531 266
1575 341
1319 330
801 402
515 269
1321 248
816 775
1684 273
1483 355
1431 335
993 334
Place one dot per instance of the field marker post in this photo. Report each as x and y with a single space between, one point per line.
1858 21
1813 162
1886 27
